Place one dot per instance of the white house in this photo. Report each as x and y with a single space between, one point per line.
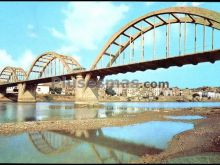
12 90
211 94
217 95
200 94
156 91
43 89
118 90
168 92
131 92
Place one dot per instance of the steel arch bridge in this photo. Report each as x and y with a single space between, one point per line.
46 65
12 74
134 30
135 47
52 64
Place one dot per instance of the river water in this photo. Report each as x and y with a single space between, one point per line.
105 145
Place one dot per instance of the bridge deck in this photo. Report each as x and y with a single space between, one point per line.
209 56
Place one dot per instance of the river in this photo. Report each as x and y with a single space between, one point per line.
116 144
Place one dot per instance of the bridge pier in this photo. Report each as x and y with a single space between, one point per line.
86 97
2 93
3 96
26 93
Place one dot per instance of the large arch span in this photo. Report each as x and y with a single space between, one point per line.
152 21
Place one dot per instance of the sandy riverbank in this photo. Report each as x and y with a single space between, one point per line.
69 98
87 122
204 138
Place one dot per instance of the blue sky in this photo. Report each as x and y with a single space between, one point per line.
29 29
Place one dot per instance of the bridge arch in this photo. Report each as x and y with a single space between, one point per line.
12 74
52 64
51 143
192 15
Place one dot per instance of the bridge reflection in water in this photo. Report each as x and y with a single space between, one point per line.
104 148
106 142
114 143
10 112
126 51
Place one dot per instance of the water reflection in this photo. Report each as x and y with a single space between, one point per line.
51 143
3 107
15 112
162 105
11 112
150 137
104 145
86 114
188 117
156 134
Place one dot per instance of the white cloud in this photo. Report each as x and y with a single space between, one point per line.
181 4
56 33
149 3
68 50
31 31
30 26
87 24
196 4
24 61
32 35
6 59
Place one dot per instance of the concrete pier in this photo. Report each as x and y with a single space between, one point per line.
3 95
85 97
27 93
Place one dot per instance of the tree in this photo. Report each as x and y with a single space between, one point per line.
56 90
195 95
110 91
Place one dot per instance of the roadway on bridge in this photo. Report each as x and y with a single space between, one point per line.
208 56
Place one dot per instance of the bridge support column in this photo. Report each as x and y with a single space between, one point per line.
27 93
86 97
3 95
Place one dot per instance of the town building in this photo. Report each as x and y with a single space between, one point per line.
43 89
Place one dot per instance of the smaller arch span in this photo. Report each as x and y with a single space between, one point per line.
52 64
12 74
